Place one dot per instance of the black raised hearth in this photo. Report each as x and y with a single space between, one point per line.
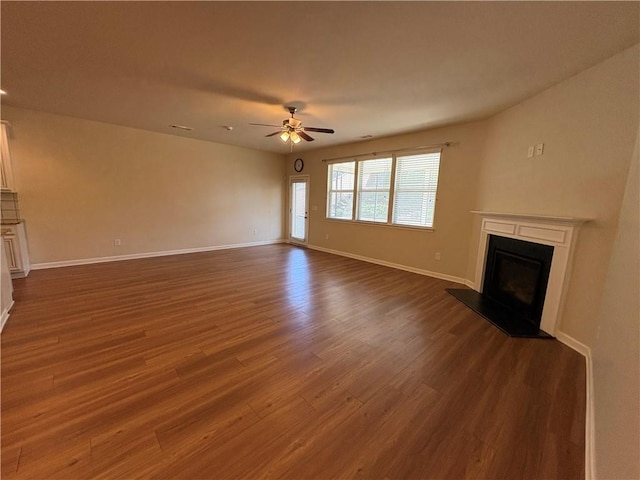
514 287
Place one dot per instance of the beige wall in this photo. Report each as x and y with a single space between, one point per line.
616 353
588 124
82 184
414 248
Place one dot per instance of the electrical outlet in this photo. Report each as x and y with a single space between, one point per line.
117 242
539 149
438 256
326 236
255 231
530 152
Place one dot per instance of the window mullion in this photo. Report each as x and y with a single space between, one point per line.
330 191
356 194
392 189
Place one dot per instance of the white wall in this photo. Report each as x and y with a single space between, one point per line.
616 352
82 184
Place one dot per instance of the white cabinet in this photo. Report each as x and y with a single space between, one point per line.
6 289
6 171
16 250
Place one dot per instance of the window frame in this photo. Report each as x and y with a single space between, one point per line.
389 223
358 189
330 190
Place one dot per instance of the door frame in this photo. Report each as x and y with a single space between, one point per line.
307 180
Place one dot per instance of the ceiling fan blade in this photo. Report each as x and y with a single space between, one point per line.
264 125
308 138
274 133
319 130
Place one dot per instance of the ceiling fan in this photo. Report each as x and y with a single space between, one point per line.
293 130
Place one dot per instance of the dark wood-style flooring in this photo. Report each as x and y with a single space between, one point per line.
276 362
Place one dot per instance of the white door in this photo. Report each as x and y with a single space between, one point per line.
299 209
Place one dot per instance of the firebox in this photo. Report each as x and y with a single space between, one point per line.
516 275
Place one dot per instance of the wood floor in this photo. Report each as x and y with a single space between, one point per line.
276 362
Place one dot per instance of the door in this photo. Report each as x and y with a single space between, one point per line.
299 209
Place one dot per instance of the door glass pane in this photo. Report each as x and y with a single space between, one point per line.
298 210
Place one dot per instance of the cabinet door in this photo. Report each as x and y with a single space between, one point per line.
4 185
10 247
6 171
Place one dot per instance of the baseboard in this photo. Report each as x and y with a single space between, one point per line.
134 256
589 433
441 276
569 341
5 316
470 284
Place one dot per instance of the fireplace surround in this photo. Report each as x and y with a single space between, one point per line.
555 235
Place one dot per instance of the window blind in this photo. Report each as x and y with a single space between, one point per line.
374 182
415 188
341 185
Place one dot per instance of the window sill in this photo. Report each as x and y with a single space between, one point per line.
377 224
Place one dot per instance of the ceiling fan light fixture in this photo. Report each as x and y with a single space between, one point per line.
291 129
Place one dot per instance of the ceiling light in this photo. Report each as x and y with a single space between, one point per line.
284 136
295 138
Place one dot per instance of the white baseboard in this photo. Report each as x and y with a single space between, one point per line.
569 341
5 316
441 276
589 444
470 284
117 258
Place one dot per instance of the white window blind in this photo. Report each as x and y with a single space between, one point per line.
341 190
374 183
398 189
415 188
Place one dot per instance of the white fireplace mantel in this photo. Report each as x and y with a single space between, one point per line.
559 232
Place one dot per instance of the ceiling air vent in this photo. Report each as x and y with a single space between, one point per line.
180 127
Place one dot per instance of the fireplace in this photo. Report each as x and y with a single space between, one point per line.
522 272
516 277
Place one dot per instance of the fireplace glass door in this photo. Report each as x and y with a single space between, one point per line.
516 275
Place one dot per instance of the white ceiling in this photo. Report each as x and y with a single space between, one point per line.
362 68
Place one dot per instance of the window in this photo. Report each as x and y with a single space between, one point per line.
414 201
341 184
395 190
374 183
